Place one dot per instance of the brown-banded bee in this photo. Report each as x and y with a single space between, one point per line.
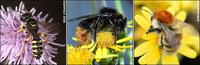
32 27
170 30
107 19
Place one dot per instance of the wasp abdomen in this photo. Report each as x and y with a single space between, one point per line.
37 48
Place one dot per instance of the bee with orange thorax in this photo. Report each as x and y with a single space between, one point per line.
107 20
169 28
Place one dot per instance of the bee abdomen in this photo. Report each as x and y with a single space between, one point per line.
37 48
167 48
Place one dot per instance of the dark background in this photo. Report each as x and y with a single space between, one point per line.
55 11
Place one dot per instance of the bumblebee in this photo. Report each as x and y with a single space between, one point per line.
106 20
32 27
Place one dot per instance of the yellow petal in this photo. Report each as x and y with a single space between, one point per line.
116 49
143 48
146 14
129 46
169 59
186 51
130 26
93 47
150 36
151 57
144 23
102 53
190 40
98 54
181 16
130 22
97 59
138 32
105 51
171 10
107 56
124 39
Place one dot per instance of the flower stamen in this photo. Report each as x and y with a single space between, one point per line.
105 39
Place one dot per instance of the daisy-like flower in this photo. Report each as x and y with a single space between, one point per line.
81 55
104 42
150 51
16 40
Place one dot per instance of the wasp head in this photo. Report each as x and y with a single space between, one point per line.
25 16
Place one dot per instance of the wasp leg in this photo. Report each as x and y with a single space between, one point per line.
44 36
22 28
28 39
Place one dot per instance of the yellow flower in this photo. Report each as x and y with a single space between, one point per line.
150 51
106 40
81 55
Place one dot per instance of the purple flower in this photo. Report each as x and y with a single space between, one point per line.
15 40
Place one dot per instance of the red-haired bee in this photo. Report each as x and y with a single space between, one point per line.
107 19
170 29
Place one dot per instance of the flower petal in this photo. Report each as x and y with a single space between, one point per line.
151 57
124 39
169 59
98 54
143 48
190 40
104 51
144 23
129 46
186 51
171 10
181 16
147 14
150 36
116 49
107 56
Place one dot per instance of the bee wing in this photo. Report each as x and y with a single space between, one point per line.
86 17
170 36
187 29
52 27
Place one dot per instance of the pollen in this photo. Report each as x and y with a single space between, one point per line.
80 56
105 39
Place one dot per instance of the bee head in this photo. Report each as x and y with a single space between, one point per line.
25 16
107 10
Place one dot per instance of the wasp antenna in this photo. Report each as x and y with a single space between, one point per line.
148 12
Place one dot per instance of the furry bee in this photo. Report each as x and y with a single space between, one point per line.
32 27
170 29
107 19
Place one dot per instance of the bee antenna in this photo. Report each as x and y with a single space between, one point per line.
147 11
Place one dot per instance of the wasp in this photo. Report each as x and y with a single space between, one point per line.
32 27
107 19
169 28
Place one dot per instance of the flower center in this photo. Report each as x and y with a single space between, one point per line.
79 56
105 39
